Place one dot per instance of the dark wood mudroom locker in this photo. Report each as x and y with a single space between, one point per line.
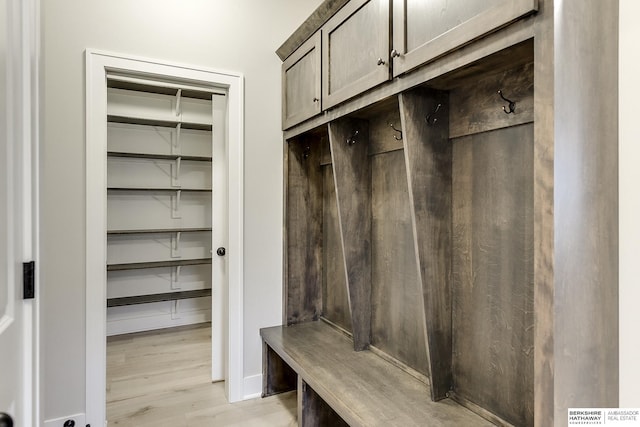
450 214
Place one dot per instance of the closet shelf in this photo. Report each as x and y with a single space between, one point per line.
148 189
158 156
161 123
157 264
162 88
159 230
146 299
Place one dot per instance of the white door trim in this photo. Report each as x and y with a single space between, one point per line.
97 65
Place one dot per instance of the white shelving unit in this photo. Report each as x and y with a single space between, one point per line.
159 204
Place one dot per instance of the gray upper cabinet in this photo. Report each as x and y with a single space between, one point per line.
301 83
355 50
424 30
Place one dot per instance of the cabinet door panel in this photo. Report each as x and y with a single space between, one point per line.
301 83
355 46
424 30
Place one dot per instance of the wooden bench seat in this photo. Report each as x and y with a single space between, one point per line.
362 388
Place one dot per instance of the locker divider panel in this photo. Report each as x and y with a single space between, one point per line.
349 140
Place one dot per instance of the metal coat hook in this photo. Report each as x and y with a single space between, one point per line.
352 139
431 120
512 104
306 153
397 138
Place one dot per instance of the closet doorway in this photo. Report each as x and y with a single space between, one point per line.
163 209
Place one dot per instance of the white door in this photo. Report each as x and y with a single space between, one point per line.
15 224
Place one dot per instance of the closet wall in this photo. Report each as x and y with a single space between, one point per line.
159 203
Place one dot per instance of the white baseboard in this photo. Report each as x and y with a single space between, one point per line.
59 422
252 387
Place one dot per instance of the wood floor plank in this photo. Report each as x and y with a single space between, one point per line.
163 378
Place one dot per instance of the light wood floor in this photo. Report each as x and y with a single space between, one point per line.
163 378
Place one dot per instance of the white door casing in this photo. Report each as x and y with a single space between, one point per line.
220 236
10 251
19 373
227 300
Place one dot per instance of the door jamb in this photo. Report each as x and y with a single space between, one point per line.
97 65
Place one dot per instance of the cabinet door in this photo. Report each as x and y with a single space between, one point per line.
301 83
424 30
355 50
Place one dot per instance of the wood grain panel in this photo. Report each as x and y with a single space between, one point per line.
352 53
493 271
428 158
335 295
396 307
544 228
498 43
301 83
352 43
278 376
586 207
352 176
427 30
477 106
313 411
304 231
312 24
382 138
428 20
362 388
325 154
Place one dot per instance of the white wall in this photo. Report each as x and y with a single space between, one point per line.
235 35
629 175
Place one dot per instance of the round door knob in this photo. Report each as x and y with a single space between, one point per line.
315 100
221 251
380 61
5 420
395 53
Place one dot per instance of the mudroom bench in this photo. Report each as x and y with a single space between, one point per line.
337 386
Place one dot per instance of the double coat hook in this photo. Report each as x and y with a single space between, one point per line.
352 139
512 104
397 138
430 118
